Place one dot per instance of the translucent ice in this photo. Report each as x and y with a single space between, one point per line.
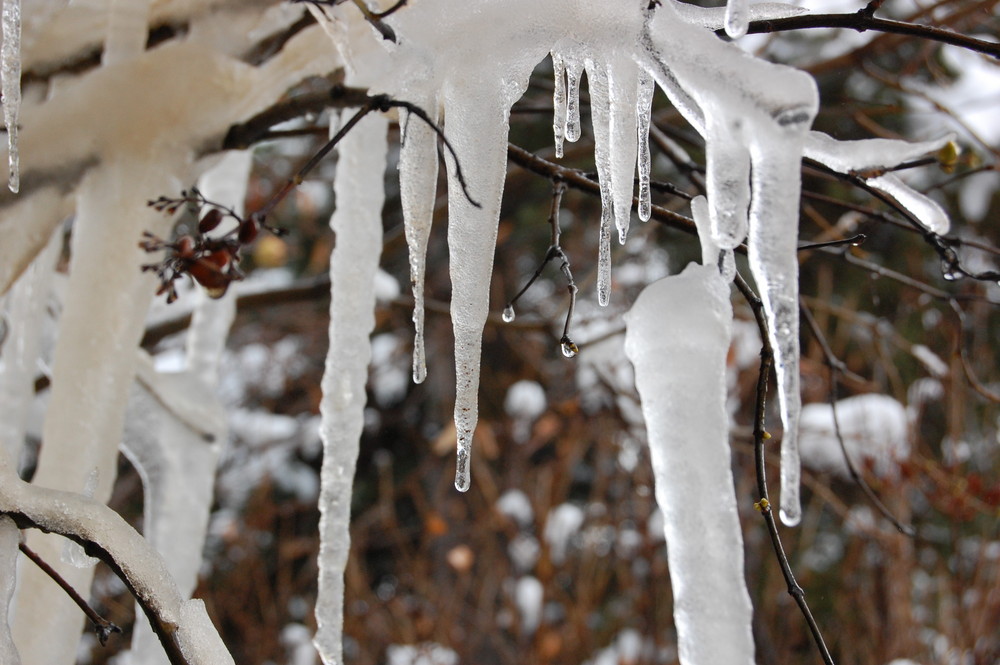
623 86
926 211
677 337
600 115
737 18
643 109
418 170
357 223
10 72
558 102
10 535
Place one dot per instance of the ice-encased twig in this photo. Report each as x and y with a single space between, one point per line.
357 223
183 626
10 72
418 172
677 338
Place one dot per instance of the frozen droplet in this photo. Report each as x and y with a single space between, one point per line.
508 313
951 272
737 18
791 516
568 347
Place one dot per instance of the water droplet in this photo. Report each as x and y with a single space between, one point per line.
569 348
508 313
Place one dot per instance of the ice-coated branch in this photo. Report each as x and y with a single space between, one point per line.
183 627
862 20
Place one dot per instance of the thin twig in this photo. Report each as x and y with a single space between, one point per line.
102 626
764 503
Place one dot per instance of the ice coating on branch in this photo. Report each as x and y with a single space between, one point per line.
867 154
643 109
600 115
10 72
927 211
714 18
418 171
737 18
357 223
10 536
677 338
623 87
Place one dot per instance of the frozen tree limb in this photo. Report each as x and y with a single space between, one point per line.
180 625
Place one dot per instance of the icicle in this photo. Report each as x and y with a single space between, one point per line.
477 121
600 112
774 219
728 177
677 338
559 102
418 172
623 85
643 109
100 327
357 223
10 72
737 18
574 68
867 154
10 535
927 211
711 253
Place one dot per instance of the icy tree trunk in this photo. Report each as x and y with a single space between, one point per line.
677 337
102 322
357 223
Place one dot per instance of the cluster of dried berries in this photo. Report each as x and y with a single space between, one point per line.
211 260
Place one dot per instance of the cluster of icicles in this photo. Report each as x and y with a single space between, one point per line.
473 61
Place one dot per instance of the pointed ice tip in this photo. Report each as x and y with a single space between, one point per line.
791 517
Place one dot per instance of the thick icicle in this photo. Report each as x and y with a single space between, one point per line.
10 72
774 220
727 177
711 253
677 338
558 102
643 110
623 86
737 18
477 121
357 223
600 116
418 171
101 324
10 535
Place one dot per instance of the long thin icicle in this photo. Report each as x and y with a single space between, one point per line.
10 72
643 110
357 223
559 102
677 337
418 172
600 116
477 122
574 69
